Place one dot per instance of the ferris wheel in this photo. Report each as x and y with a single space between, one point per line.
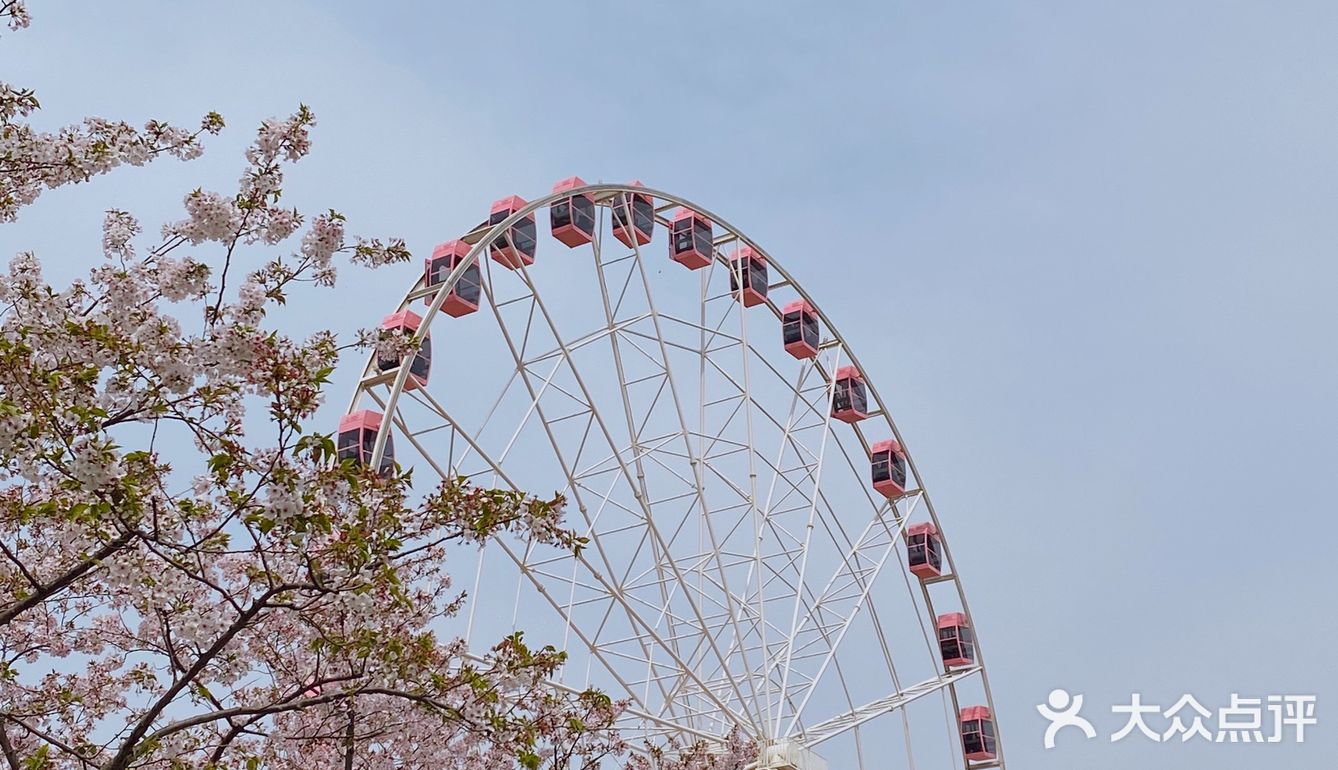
763 557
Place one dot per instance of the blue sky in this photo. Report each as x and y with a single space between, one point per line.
1087 250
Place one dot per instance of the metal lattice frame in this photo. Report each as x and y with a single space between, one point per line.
748 627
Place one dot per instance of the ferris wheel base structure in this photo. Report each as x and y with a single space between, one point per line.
763 558
788 756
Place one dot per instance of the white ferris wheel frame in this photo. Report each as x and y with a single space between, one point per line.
604 195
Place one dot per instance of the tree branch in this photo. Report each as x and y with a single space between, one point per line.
130 746
45 592
10 755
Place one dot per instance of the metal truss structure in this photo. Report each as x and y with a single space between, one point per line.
741 574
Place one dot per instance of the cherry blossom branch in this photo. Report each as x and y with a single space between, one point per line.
17 12
46 591
7 748
131 744
49 739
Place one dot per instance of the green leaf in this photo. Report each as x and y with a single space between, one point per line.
220 463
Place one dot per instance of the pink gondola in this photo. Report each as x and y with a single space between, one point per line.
572 219
888 464
690 239
799 329
748 276
924 550
978 740
850 401
357 440
514 248
463 297
955 641
642 211
407 322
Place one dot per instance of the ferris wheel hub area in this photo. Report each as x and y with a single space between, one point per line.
790 756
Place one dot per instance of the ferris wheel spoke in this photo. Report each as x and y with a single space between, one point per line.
813 472
834 726
695 487
414 436
716 332
864 571
521 563
757 635
779 576
824 637
628 476
877 536
633 618
786 474
824 631
587 339
669 728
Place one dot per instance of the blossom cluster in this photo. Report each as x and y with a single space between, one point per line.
226 607
32 161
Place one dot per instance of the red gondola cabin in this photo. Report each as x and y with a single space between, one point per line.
572 219
978 741
889 468
463 298
748 276
407 322
690 239
955 640
514 248
924 550
799 328
850 401
642 212
357 440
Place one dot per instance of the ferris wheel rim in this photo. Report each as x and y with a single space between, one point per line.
480 239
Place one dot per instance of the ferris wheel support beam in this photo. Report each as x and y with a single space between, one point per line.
757 516
784 474
793 555
855 575
620 599
695 463
626 474
866 579
640 451
520 562
808 536
824 415
634 435
830 728
790 439
778 472
733 615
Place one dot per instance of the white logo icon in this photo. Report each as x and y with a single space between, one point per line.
1062 712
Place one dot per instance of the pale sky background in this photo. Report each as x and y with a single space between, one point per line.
1088 250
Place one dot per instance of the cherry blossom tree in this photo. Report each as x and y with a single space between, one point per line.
188 576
